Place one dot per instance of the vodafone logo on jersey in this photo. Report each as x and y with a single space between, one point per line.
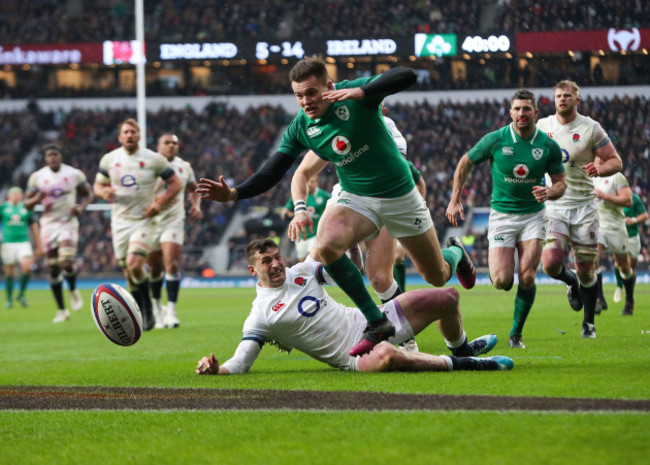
341 145
520 171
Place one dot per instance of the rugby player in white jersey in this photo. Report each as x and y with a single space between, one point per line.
293 310
164 260
127 178
614 194
573 218
57 186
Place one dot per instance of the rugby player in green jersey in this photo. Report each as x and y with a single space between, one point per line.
520 155
17 222
343 123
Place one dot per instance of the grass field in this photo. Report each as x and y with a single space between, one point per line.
557 362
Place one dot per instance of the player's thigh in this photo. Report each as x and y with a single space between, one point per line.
501 262
171 254
344 226
405 216
530 255
426 254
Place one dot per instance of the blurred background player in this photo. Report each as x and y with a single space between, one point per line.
573 218
314 206
613 194
309 320
164 260
127 178
17 221
634 215
520 155
57 187
343 123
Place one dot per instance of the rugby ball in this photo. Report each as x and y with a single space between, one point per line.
116 314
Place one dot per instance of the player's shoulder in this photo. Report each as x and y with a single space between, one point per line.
546 123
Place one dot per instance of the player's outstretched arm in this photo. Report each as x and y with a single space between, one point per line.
219 191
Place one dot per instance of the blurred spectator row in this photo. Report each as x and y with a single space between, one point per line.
52 21
222 140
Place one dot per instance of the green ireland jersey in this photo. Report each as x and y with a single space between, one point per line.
15 222
316 203
517 165
635 210
352 135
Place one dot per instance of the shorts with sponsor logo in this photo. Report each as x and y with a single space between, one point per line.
579 224
615 239
169 231
14 252
54 234
403 330
403 216
304 247
635 246
507 229
132 238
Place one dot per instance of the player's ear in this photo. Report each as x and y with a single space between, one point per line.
251 270
330 85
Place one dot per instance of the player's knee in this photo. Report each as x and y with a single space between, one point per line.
502 281
436 279
382 357
381 282
329 253
526 280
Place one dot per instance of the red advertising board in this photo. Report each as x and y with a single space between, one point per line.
50 54
614 40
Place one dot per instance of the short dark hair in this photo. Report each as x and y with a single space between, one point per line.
52 146
259 246
313 65
525 94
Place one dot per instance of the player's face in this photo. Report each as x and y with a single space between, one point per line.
566 102
129 137
269 268
15 197
53 159
168 146
523 114
309 94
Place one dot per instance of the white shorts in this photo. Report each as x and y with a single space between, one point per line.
507 230
579 224
132 238
54 234
14 252
172 231
403 216
615 240
403 330
303 248
635 246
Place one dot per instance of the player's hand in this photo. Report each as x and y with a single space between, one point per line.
540 193
208 366
354 93
219 191
195 213
630 221
107 193
75 210
599 194
299 225
453 209
591 169
152 210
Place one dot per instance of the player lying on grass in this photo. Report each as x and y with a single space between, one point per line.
293 310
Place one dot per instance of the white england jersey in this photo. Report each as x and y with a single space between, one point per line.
300 314
610 215
175 208
399 139
134 178
578 141
59 191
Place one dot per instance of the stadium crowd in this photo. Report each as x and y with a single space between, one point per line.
50 21
220 139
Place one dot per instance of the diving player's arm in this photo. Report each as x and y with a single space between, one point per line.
606 163
244 357
259 182
461 174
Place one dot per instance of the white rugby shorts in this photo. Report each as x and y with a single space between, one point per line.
507 229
